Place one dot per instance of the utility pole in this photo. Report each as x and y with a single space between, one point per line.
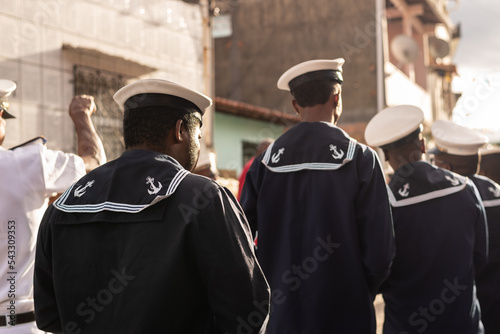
208 72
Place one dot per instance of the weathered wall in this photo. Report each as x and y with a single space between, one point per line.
272 35
231 131
155 38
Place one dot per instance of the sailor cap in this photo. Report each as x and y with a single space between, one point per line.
159 92
6 88
311 70
455 139
393 124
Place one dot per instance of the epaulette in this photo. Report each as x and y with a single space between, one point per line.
42 138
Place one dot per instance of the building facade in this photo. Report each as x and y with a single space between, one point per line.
265 38
54 49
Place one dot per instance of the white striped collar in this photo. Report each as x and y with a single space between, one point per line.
144 178
294 151
114 206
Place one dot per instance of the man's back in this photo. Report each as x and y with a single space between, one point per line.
171 266
440 241
318 201
488 282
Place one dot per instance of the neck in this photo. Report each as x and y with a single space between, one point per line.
148 148
318 113
465 170
398 160
463 165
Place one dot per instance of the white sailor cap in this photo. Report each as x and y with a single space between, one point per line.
159 92
455 139
393 124
6 88
311 70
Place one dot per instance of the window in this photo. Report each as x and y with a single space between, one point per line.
249 151
108 118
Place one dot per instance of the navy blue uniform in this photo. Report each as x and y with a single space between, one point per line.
441 239
318 200
488 282
140 245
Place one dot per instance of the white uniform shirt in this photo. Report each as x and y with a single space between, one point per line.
29 176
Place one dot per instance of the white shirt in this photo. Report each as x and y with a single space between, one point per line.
29 176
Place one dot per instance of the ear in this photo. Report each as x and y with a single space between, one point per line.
336 98
423 146
296 106
179 129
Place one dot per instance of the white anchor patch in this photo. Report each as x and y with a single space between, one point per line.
153 189
80 191
336 154
495 191
454 181
277 156
405 190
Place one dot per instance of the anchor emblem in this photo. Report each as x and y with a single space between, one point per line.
79 192
454 181
495 191
153 189
405 190
336 154
276 156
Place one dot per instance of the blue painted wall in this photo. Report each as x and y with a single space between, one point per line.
231 131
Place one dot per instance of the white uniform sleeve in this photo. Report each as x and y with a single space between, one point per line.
61 170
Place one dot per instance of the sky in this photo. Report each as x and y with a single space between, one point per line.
478 64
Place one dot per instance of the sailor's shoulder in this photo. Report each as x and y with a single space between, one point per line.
40 140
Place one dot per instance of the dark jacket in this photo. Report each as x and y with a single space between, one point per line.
140 245
318 201
488 282
441 241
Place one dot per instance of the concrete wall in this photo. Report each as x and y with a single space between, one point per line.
230 132
271 36
153 38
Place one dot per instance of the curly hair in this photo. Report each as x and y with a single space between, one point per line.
150 126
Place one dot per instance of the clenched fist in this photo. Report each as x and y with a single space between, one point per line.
82 103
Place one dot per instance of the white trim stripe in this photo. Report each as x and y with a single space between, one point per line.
424 197
65 195
304 166
351 149
181 174
267 156
110 206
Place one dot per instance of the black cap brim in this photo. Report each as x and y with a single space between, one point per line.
6 114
